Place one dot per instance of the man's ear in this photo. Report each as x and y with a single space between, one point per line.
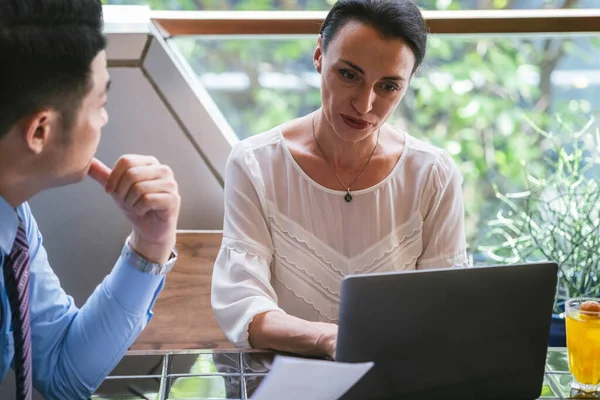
38 128
318 54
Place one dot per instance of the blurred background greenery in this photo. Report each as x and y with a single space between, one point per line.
472 96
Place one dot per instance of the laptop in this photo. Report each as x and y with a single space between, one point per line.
474 333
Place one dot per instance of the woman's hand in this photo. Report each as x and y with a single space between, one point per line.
327 340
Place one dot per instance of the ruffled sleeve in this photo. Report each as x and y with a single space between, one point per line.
241 286
444 242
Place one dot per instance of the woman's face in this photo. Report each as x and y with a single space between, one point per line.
363 78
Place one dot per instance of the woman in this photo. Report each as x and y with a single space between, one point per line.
336 192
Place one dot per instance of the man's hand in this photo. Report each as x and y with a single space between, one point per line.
147 193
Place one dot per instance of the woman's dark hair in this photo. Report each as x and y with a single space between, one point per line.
391 18
46 50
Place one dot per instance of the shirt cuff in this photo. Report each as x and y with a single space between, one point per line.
134 290
142 264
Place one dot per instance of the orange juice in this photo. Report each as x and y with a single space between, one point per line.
583 345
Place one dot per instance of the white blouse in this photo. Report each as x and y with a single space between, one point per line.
288 241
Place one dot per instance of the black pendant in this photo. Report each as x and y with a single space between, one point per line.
348 197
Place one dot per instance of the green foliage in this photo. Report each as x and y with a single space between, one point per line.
467 98
199 387
557 217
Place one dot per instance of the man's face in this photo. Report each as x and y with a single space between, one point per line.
72 153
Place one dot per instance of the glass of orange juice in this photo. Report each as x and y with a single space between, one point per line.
583 342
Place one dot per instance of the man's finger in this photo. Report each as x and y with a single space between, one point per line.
125 163
140 174
157 202
99 172
140 189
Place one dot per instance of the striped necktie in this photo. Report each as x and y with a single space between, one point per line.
16 280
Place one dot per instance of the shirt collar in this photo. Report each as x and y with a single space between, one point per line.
9 223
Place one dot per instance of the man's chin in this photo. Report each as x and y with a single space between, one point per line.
72 178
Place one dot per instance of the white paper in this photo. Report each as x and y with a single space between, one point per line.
301 379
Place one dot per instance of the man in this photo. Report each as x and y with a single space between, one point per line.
53 84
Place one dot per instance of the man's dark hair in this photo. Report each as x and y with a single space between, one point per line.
391 18
46 50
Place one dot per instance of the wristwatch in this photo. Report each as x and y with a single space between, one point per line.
140 263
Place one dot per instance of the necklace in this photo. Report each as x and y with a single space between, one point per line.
348 196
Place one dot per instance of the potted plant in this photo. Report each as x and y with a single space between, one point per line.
556 217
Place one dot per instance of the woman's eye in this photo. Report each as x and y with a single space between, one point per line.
348 75
390 88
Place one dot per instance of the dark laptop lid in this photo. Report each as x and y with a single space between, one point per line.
473 333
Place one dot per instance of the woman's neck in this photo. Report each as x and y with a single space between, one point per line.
342 154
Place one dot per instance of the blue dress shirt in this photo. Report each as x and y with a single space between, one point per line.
73 349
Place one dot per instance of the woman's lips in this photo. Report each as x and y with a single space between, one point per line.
355 123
